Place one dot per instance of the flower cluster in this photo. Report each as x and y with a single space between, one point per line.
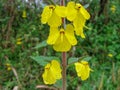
62 38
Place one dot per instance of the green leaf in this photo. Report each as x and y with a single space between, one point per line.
87 58
118 56
42 44
43 60
58 84
72 60
4 19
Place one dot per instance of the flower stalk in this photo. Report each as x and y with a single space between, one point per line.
64 61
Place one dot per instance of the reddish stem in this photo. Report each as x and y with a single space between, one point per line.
64 61
62 2
64 65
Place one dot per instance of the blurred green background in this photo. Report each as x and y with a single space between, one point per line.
21 31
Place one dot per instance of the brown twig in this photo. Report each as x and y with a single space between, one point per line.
16 75
45 87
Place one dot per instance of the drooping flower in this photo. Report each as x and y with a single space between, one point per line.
79 23
62 40
82 69
78 15
80 19
52 72
49 16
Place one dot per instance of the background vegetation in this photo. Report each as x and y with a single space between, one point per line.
20 38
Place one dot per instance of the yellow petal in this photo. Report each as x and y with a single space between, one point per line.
78 66
79 23
82 35
83 11
55 67
9 68
48 76
46 14
62 45
61 11
54 20
85 73
79 32
110 55
53 35
71 11
69 33
18 42
83 69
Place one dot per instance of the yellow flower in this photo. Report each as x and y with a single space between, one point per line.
19 39
24 15
79 23
110 55
62 40
8 66
113 8
83 69
49 16
69 11
80 19
52 72
19 42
